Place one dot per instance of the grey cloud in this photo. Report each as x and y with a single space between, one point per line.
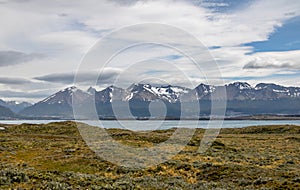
195 2
13 81
125 2
64 78
107 76
8 58
19 94
269 65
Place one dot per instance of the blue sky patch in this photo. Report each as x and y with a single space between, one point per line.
172 57
223 5
285 38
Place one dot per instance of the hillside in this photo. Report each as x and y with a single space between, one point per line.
6 113
14 105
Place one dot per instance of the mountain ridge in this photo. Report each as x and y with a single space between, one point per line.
14 106
6 113
240 96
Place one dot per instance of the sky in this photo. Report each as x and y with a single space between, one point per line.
44 43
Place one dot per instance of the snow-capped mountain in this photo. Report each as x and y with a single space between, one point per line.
265 90
14 105
170 93
112 93
262 91
239 91
203 91
147 92
65 96
241 97
58 104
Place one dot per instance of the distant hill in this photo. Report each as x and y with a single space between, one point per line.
14 105
6 113
241 98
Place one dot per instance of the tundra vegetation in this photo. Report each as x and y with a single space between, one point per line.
54 156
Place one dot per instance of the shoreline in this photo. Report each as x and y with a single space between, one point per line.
184 119
241 117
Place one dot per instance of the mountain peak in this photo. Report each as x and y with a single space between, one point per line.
265 85
241 85
202 85
64 96
70 89
91 90
111 88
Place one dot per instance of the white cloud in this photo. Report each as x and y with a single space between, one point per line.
281 60
77 41
64 31
270 63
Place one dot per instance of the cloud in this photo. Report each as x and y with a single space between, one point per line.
125 2
67 40
247 24
8 58
269 64
107 76
65 31
287 60
13 81
64 78
21 94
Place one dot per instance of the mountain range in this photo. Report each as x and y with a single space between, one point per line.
242 98
6 113
10 109
14 105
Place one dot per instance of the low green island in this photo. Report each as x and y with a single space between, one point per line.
54 156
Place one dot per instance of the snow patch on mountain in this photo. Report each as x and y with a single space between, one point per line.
49 98
242 85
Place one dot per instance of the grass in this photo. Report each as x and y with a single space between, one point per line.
54 156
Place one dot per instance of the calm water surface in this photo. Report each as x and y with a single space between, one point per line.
155 124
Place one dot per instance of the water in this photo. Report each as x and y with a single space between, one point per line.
156 124
29 121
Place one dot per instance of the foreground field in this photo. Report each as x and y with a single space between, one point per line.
54 156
